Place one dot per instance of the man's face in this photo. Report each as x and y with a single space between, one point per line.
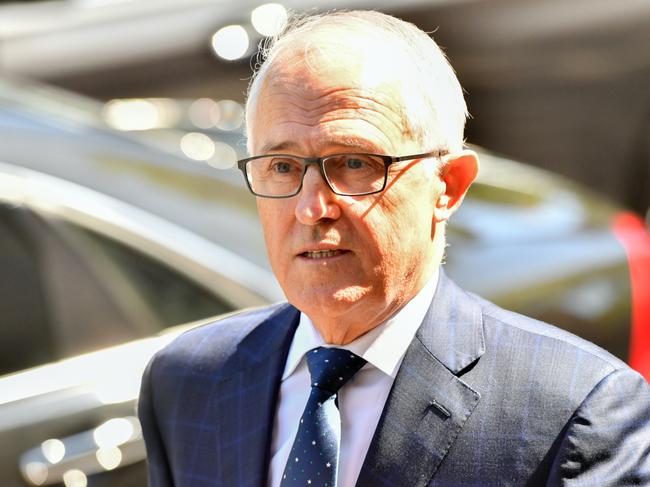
343 259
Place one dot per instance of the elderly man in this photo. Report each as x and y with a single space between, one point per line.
378 370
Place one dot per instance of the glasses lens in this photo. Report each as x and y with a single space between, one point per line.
274 175
355 173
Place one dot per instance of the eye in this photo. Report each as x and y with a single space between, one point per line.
355 163
361 162
283 166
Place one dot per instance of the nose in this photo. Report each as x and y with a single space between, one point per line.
316 201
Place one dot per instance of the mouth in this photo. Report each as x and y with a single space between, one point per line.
322 254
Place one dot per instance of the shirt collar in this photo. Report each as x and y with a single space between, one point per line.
384 346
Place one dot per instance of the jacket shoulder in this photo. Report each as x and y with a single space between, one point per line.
207 348
547 365
546 337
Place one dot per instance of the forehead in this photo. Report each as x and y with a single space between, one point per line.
312 98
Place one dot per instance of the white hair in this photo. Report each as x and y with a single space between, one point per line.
434 108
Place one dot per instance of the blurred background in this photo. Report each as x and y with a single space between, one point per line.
123 220
562 85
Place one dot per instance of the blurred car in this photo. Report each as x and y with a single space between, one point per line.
108 242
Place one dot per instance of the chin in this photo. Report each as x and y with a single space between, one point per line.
328 301
351 294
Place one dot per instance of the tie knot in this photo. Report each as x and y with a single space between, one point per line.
330 368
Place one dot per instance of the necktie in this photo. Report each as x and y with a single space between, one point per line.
314 455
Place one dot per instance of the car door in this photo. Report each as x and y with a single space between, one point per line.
82 297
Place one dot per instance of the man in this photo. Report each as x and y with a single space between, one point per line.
380 371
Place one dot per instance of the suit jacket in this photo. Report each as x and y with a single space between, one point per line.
483 397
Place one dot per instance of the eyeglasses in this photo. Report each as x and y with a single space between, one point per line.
281 175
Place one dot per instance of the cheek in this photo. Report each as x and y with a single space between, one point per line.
389 237
405 225
273 218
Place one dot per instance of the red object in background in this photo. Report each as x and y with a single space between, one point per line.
631 232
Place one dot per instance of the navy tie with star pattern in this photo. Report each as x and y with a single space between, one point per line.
314 456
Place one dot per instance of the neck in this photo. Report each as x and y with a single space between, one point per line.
336 333
359 319
344 329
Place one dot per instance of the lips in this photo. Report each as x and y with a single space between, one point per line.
321 254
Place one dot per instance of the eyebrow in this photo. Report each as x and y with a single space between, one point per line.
353 143
271 147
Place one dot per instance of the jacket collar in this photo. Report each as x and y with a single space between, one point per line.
249 384
452 329
429 403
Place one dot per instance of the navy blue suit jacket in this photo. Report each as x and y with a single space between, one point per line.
484 397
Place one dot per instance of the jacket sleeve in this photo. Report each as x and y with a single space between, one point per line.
607 441
159 471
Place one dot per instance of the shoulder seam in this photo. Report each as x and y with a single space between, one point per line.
577 344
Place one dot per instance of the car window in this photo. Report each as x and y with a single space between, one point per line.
66 290
25 338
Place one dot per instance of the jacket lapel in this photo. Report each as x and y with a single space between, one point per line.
248 399
428 404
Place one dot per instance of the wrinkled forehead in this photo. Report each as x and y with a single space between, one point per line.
326 71
336 56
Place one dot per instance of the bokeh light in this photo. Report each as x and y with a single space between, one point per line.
75 478
231 42
224 156
204 113
53 450
140 113
269 19
113 432
109 458
197 146
231 115
36 472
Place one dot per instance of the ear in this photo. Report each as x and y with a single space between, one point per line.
457 172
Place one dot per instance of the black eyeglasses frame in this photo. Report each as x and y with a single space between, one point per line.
388 161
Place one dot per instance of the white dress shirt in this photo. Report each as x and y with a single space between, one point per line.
361 400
